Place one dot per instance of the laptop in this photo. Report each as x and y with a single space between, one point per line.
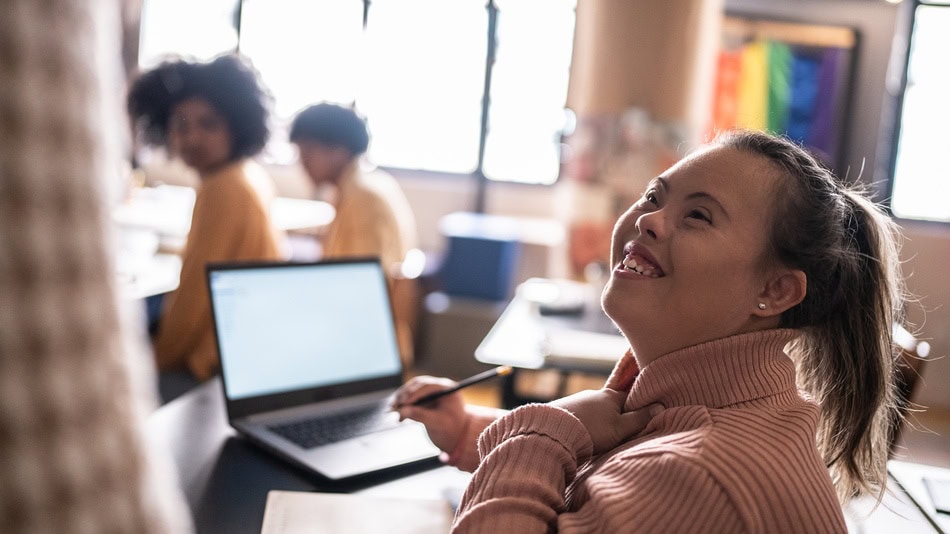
309 361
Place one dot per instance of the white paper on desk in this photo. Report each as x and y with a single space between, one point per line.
581 347
293 512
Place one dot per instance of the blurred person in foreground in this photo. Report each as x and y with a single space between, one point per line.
75 389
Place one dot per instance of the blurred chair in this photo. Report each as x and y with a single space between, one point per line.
910 367
405 290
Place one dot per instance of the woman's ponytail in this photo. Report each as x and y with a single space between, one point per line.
848 249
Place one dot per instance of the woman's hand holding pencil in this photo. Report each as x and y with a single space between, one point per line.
435 395
436 403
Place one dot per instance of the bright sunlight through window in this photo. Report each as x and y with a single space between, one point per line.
206 31
422 90
304 48
922 168
416 69
529 88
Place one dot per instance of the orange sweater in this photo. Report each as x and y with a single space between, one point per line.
231 221
733 451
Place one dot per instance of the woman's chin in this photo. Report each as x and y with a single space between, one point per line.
615 307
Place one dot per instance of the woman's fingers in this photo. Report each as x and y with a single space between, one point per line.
632 423
418 387
601 412
444 418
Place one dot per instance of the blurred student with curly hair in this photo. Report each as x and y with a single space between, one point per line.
214 116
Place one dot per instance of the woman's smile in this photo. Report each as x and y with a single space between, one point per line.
638 260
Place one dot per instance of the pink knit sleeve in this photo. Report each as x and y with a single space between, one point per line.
528 458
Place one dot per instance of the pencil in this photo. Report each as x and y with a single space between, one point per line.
501 370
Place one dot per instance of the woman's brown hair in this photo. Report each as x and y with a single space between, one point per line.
846 356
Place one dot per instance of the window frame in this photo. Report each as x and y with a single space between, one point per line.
896 124
478 173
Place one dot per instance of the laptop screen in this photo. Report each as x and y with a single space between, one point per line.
286 327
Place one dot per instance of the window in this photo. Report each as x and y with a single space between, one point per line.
418 70
422 91
528 90
921 167
304 48
208 29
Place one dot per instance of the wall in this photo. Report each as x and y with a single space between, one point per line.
636 54
926 253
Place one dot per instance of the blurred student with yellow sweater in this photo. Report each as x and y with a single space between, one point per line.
373 217
214 117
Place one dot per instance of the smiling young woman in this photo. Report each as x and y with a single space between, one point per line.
757 293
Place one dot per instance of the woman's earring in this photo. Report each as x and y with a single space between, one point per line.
761 305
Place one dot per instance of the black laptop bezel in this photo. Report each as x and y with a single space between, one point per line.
240 408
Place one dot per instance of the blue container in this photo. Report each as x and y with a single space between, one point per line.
480 267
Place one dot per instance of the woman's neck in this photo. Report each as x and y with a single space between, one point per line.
653 347
213 170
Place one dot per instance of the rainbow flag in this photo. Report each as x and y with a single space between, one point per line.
783 89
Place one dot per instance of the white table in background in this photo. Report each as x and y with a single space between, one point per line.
154 221
166 210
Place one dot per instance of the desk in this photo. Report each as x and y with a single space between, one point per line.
527 337
156 275
166 210
908 479
156 219
906 507
225 479
575 337
142 271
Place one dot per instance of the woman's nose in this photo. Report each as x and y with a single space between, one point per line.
652 224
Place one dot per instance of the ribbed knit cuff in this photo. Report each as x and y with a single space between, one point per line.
555 423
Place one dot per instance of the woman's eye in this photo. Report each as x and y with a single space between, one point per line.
651 198
696 214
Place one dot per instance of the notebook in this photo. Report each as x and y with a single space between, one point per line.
305 512
309 361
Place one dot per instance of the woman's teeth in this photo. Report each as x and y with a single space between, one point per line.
641 268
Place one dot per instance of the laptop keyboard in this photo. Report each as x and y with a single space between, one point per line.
311 433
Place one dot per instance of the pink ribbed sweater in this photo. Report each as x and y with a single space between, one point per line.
733 451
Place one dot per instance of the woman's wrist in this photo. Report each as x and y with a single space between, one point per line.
454 456
464 455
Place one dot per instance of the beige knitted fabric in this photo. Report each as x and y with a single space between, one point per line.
72 455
